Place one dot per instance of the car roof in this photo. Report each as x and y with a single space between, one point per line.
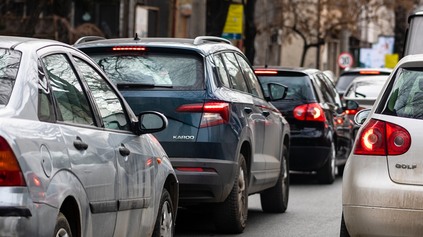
13 41
202 44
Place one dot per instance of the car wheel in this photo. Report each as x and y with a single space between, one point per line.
165 224
231 215
275 199
62 228
343 231
326 175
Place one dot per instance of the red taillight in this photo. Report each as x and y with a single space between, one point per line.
129 48
10 172
265 72
351 111
309 112
214 113
382 138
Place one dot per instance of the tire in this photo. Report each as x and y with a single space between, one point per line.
343 230
165 223
62 227
231 215
275 199
326 175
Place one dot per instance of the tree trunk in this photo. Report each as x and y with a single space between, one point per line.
217 12
250 30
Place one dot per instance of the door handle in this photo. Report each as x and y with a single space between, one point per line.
124 151
79 144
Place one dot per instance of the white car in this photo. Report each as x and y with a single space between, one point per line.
383 178
74 159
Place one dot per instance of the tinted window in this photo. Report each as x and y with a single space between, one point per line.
221 71
235 74
407 103
250 77
72 103
180 71
111 109
9 65
299 87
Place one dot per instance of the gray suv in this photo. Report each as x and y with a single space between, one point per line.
224 139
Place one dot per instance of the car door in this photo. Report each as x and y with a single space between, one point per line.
136 162
91 159
272 137
244 104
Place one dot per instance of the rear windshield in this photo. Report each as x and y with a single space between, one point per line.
365 89
156 69
9 65
344 81
405 99
299 87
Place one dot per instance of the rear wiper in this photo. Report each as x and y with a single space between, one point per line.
140 85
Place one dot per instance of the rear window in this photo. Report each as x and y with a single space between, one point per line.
155 69
406 94
365 89
9 65
299 87
344 81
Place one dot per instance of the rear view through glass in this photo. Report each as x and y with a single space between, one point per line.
298 86
152 69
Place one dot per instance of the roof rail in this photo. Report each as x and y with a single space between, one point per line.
202 39
88 39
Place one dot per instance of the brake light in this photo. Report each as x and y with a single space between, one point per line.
263 71
129 48
214 113
309 112
369 72
10 172
382 138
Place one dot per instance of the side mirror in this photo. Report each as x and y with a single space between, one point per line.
351 105
361 116
276 91
151 122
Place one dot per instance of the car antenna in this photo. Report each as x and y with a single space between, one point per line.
136 37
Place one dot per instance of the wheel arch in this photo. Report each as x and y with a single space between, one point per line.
172 186
70 209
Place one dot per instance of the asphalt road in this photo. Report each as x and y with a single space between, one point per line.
313 210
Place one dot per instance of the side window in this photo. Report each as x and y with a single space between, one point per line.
250 77
45 104
221 71
111 109
325 91
235 74
73 105
331 89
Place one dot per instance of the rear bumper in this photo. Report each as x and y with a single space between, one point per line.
19 216
373 205
208 186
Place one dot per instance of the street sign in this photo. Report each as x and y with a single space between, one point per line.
345 60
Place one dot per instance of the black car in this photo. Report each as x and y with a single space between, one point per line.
224 139
321 134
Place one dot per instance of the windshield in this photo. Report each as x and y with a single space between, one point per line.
158 69
9 65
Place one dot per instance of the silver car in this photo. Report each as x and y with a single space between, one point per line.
74 159
383 179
